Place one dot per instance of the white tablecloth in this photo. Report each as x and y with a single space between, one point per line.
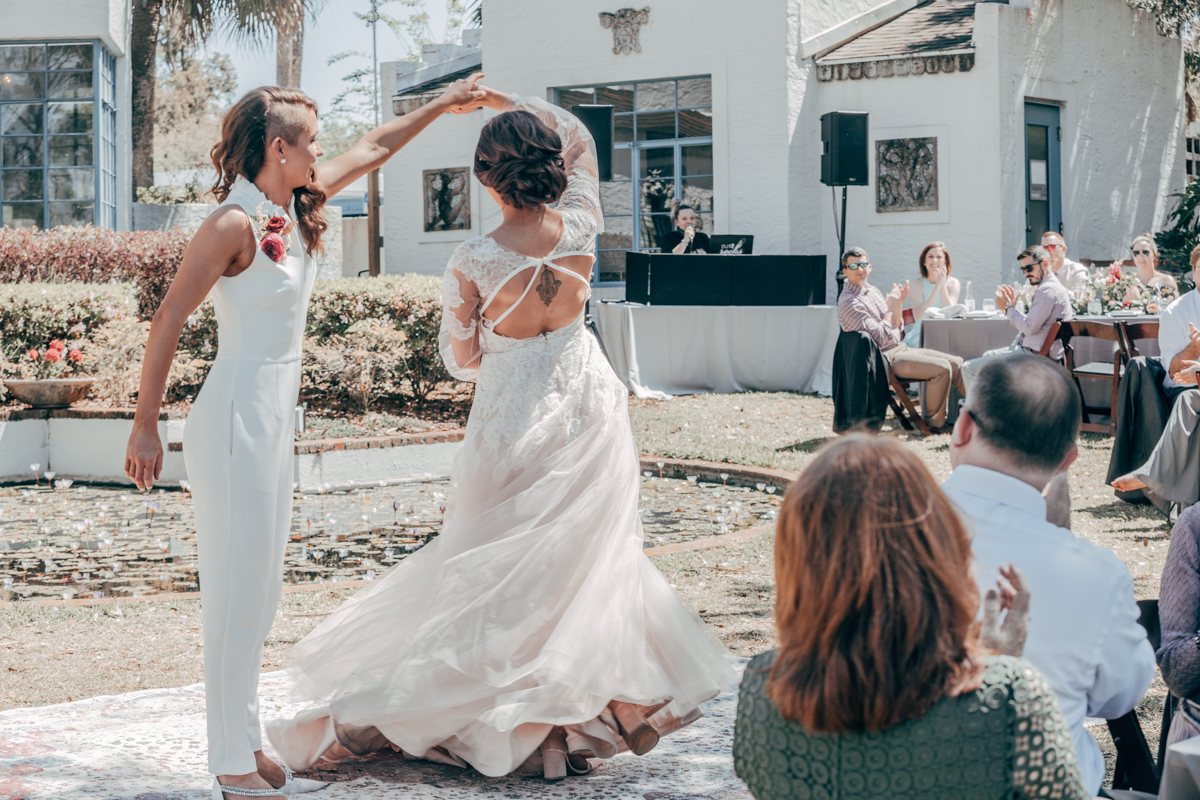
1181 772
658 351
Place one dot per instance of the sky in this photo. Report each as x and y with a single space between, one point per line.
335 30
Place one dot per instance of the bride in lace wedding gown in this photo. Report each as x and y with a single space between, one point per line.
533 621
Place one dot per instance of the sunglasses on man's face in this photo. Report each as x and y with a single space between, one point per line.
1028 268
1052 246
859 265
1143 252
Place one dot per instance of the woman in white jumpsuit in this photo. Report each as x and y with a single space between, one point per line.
255 255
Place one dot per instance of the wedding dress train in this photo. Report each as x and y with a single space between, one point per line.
535 607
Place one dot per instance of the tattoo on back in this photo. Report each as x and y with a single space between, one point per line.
548 285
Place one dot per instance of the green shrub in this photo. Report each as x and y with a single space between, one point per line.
1182 233
392 350
31 314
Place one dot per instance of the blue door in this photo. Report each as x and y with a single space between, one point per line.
1043 175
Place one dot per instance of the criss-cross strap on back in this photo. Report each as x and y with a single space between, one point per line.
539 263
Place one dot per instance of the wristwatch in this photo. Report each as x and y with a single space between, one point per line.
1196 640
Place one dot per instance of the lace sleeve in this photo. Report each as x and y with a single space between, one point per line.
458 339
579 155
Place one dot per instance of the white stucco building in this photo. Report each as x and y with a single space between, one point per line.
65 93
1042 113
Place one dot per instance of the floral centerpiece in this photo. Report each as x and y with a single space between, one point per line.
1117 291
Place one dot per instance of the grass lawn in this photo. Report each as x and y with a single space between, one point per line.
52 655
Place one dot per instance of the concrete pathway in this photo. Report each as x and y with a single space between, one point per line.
149 745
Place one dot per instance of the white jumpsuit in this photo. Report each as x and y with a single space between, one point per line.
238 447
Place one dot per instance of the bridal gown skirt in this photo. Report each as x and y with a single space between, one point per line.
534 607
238 447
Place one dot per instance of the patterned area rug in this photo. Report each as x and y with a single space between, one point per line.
149 745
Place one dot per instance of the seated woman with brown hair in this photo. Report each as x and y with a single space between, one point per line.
880 687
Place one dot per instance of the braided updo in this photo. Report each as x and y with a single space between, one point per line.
520 157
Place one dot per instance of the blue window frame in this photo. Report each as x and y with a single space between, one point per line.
662 153
57 134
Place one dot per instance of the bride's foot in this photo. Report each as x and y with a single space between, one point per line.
639 734
554 755
281 778
1128 483
269 771
233 787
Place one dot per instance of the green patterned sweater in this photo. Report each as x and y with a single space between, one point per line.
1006 739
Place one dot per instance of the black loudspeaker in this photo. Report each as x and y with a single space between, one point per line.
599 122
844 153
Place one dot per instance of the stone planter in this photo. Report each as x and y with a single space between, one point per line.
50 393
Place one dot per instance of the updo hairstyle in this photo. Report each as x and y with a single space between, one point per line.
520 157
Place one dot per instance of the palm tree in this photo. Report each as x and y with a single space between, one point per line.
251 22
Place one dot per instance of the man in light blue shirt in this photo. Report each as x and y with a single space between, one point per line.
1015 434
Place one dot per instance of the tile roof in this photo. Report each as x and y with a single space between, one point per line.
934 27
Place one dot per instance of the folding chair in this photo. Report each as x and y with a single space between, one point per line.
1130 333
1097 370
903 406
1136 767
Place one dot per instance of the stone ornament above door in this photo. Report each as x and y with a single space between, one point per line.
625 24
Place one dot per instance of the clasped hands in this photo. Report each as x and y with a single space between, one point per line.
895 299
1187 376
1012 595
1006 297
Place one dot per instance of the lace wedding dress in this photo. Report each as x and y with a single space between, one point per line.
535 606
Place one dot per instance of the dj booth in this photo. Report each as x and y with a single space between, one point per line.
720 323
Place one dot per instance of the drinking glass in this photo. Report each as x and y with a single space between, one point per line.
989 305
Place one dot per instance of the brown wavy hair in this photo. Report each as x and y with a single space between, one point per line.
875 601
247 129
520 157
925 252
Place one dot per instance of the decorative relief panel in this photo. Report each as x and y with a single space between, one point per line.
887 68
625 25
447 199
906 177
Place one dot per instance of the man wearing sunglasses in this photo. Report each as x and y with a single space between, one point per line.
862 307
1067 271
1050 303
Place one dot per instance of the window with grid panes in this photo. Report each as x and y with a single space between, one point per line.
1192 163
662 153
57 134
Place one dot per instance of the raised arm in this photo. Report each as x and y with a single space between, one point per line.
224 240
381 143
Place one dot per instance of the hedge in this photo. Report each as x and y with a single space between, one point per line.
364 337
146 259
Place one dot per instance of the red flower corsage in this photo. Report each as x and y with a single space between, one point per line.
272 244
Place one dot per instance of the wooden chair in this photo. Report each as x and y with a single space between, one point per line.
1057 333
1101 370
1136 767
903 406
1130 333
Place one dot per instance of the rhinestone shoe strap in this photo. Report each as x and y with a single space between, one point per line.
240 792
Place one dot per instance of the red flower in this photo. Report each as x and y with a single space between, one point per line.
55 344
75 355
1126 304
272 245
276 224
33 354
53 355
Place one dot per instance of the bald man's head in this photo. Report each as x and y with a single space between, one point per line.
1057 247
